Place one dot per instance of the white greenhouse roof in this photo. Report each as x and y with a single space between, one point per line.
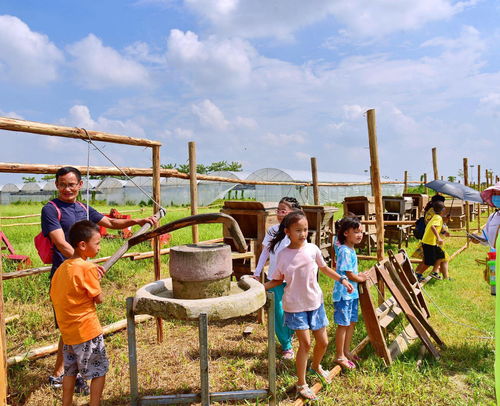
111 183
9 187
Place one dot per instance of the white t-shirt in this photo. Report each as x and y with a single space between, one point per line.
299 269
266 242
491 228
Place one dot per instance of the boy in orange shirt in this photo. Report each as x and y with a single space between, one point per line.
75 290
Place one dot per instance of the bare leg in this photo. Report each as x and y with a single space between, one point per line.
320 346
348 339
59 365
421 268
340 338
444 269
68 389
302 355
96 388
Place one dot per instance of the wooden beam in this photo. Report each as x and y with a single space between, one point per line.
3 346
425 182
14 124
314 174
52 348
156 241
405 187
435 163
193 187
479 204
467 205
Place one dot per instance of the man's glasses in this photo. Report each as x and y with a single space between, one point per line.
67 185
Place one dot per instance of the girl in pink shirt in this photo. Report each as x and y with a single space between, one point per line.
297 265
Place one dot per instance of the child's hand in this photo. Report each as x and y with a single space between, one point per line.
257 278
440 241
100 271
362 277
348 286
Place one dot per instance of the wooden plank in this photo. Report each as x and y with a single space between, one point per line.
403 303
402 341
372 325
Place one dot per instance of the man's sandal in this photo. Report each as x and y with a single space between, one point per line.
306 392
323 375
345 363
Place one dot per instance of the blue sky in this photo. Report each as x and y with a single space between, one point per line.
268 83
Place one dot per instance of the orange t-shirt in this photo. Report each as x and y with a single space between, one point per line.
74 286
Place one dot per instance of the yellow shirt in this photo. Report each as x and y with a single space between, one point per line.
74 286
429 237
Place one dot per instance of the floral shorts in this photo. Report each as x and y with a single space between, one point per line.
89 359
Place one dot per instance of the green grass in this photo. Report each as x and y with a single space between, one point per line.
462 312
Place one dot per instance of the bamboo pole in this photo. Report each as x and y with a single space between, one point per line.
314 174
405 187
156 241
51 349
6 167
377 188
479 204
19 217
371 183
467 205
14 124
3 346
487 180
435 163
193 187
425 182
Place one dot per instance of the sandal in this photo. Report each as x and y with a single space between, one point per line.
306 392
345 363
323 375
353 357
435 275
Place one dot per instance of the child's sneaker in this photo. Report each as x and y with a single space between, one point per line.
56 381
81 386
287 354
419 276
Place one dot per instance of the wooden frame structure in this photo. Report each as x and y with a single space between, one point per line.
397 274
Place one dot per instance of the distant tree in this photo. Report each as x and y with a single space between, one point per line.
29 179
204 169
452 178
48 177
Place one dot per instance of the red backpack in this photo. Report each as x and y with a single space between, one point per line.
43 244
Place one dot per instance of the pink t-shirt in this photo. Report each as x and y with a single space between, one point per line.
299 269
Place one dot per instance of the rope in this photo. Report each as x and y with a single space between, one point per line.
117 167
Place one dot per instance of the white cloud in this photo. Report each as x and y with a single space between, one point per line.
79 116
354 111
26 57
98 66
210 115
280 140
490 104
212 62
302 156
281 18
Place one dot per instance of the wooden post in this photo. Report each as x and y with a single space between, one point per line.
3 347
486 174
425 182
193 187
467 207
371 181
156 241
479 204
377 188
435 163
405 188
314 171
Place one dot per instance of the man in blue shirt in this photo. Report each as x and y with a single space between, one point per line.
68 183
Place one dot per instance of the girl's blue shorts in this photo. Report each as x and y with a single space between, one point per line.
309 320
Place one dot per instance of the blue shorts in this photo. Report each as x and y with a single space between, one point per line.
310 320
345 312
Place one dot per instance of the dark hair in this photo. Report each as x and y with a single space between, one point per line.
339 222
82 231
435 198
345 224
290 218
438 206
291 202
68 169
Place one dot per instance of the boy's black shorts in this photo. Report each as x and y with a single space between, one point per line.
432 253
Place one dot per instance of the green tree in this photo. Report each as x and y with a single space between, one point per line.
29 179
48 177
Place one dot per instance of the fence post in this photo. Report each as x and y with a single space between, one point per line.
467 206
193 187
314 171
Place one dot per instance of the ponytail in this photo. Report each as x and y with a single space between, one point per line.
290 218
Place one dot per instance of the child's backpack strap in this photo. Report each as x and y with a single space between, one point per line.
83 205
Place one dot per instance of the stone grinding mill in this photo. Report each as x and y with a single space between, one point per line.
200 288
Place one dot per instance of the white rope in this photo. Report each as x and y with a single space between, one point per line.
117 167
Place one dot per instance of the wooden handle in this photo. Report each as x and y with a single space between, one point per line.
206 218
126 245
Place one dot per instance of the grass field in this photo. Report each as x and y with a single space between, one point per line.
462 313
